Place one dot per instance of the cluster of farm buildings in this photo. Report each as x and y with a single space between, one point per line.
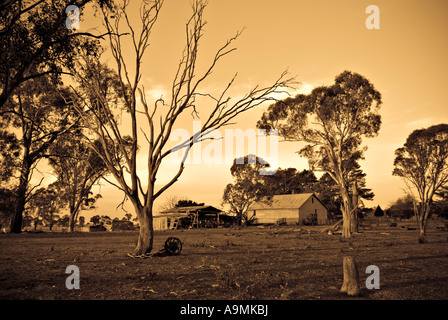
290 209
304 208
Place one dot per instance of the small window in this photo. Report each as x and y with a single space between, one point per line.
312 200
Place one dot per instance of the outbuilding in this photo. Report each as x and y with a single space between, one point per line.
189 217
302 208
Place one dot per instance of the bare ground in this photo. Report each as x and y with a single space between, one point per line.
254 263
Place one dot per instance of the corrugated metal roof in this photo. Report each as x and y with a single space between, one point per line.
191 209
284 201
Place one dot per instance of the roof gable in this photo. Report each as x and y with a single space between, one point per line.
284 201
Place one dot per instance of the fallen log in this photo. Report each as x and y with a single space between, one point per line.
334 227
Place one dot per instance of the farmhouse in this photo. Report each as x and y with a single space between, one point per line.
303 208
189 217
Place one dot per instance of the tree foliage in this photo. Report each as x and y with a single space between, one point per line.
332 120
32 120
77 168
36 41
44 206
378 212
403 207
423 164
249 186
188 203
290 180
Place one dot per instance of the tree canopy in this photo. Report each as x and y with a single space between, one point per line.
36 41
332 120
423 164
249 185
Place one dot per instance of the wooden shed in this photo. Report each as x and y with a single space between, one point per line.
290 209
187 217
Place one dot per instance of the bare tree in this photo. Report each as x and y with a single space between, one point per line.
170 202
160 117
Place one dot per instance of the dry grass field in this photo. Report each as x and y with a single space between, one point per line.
254 263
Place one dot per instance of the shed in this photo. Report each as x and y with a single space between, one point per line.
289 209
191 216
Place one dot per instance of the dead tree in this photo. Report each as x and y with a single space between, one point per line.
160 117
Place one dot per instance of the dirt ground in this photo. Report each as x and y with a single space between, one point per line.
254 263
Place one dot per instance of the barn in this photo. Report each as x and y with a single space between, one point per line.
290 209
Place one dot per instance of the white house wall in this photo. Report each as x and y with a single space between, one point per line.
160 223
291 216
273 215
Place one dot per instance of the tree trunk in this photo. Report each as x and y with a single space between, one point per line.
351 277
422 218
74 210
422 225
17 219
347 220
354 222
346 226
71 223
146 234
354 215
422 222
25 170
346 211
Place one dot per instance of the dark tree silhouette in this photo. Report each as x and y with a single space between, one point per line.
378 212
39 113
35 41
188 203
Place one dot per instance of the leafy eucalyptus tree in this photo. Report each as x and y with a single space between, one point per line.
423 164
332 121
77 168
33 118
36 42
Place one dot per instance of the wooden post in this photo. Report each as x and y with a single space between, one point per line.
351 277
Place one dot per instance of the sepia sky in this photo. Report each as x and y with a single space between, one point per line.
406 60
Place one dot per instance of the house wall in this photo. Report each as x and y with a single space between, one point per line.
291 216
312 205
160 223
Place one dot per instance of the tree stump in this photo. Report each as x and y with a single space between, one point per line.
351 277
